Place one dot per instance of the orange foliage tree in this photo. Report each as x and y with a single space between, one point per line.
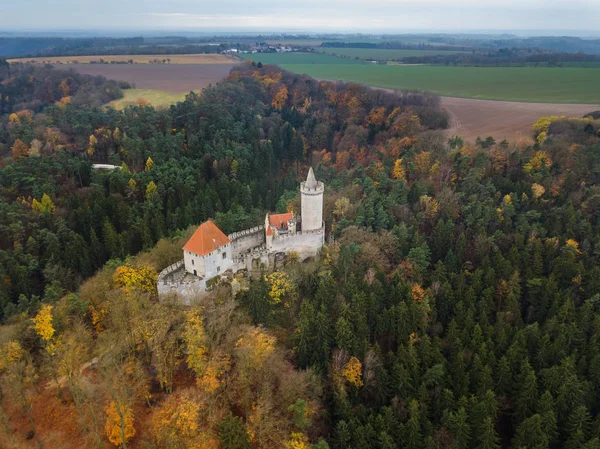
19 149
280 98
119 423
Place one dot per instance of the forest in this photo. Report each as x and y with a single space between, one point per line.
455 305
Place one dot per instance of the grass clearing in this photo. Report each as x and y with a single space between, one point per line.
381 54
157 98
522 84
199 58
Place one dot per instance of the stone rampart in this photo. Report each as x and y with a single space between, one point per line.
246 240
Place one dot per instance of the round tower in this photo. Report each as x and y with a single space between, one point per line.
312 202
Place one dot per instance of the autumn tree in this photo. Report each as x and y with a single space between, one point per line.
280 98
19 149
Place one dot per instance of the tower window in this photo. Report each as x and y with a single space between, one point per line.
193 262
224 255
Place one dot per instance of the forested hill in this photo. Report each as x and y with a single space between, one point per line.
457 305
230 153
27 88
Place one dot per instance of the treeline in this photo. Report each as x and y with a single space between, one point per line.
227 154
507 56
26 88
393 45
18 47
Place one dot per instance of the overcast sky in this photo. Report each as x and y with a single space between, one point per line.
303 15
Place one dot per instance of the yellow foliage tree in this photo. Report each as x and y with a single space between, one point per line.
352 372
376 116
132 184
119 423
42 324
431 206
44 206
280 98
91 150
14 120
572 245
399 172
151 191
280 286
537 189
130 277
149 164
256 345
417 293
176 420
538 162
297 441
341 207
10 353
195 341
423 162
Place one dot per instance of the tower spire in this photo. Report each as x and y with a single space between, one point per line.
311 181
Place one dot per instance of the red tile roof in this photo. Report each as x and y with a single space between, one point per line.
207 238
278 220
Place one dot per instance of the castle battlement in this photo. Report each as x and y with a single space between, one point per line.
246 232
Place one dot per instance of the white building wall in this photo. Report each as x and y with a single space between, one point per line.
210 265
218 261
193 262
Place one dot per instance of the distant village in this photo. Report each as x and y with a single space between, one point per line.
265 48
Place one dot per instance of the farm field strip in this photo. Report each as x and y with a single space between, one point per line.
520 84
198 58
176 78
300 59
382 53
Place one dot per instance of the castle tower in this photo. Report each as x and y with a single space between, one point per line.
312 203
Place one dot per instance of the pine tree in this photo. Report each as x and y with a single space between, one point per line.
487 437
545 409
526 394
458 425
530 434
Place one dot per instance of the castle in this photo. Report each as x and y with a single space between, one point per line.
210 254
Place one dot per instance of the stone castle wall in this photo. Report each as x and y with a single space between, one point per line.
246 240
306 243
170 281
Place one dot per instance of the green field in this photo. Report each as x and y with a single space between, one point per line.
528 84
300 58
381 54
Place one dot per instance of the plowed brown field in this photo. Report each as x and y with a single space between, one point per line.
197 58
503 119
169 77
